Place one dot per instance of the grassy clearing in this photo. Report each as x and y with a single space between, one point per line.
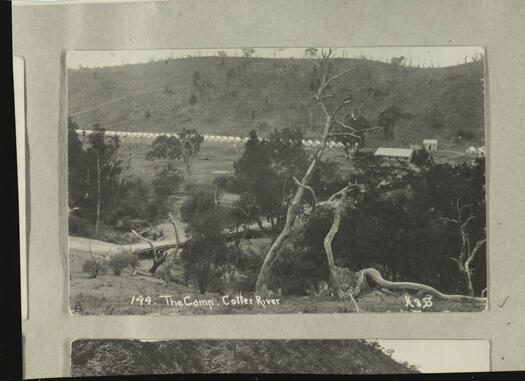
215 159
111 295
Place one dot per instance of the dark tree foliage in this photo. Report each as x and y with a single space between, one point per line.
77 167
422 159
124 201
264 175
353 143
399 227
165 147
128 357
166 182
93 174
103 161
326 180
135 200
379 175
185 146
206 252
199 201
265 172
191 142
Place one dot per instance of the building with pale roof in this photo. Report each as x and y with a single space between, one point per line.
394 153
430 144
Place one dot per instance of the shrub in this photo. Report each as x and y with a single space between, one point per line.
126 224
153 233
214 283
203 258
92 268
298 270
109 234
247 269
421 158
132 203
118 262
166 182
80 227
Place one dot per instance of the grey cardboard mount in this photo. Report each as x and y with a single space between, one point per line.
43 33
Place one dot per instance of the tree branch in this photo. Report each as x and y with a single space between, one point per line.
148 241
337 76
323 86
172 221
473 253
460 208
464 225
348 127
314 204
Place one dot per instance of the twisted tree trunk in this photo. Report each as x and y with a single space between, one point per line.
347 284
158 258
466 254
374 276
294 211
337 274
294 208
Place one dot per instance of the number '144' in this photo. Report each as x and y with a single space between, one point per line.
141 300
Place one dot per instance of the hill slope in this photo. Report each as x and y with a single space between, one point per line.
114 357
231 96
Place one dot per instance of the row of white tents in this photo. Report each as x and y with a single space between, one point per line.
475 151
207 138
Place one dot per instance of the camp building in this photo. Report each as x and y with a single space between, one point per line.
394 153
430 144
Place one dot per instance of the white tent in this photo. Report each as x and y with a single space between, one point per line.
471 150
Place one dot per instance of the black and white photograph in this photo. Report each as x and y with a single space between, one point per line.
105 357
274 180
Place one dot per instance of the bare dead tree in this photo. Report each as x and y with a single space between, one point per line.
161 257
466 254
121 178
348 284
97 263
345 282
337 274
158 256
294 207
174 224
97 221
249 212
171 254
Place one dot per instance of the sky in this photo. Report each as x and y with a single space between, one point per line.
435 356
423 56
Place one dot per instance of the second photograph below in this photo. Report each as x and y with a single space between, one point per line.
129 357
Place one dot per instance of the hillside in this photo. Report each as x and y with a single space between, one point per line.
127 357
231 96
